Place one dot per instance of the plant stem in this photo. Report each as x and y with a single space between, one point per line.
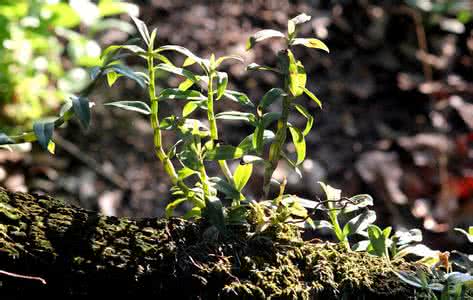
277 145
157 137
214 129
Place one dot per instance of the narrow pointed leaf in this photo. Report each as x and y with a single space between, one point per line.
81 108
301 18
137 106
310 119
299 142
220 60
112 78
129 73
313 97
143 30
271 96
44 132
311 43
236 116
224 187
178 71
297 75
238 97
173 93
242 175
263 35
247 143
359 223
224 152
222 81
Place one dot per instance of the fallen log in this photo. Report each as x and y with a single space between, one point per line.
79 252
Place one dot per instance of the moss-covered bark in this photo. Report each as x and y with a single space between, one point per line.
84 253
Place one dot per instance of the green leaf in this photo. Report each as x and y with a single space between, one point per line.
252 159
189 108
468 234
189 159
236 116
258 136
359 223
5 139
142 29
263 35
222 81
114 48
186 172
129 73
152 38
291 28
272 95
310 43
357 202
172 206
137 106
247 143
220 60
297 75
112 78
310 119
238 97
178 71
191 57
377 240
299 142
214 213
185 85
269 118
44 132
94 72
291 163
242 175
81 108
313 97
225 188
256 67
301 18
174 93
224 152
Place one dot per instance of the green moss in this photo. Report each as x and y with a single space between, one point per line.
80 252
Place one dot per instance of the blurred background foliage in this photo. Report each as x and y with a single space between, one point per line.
46 46
397 89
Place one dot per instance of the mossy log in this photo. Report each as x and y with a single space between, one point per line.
78 252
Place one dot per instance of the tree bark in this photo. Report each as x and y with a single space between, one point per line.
78 252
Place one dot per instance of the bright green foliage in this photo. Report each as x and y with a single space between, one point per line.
33 81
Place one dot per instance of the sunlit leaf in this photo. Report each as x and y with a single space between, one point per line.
224 152
313 97
137 106
360 222
236 116
242 175
178 71
143 30
222 81
297 75
173 93
310 43
238 97
263 35
299 142
172 206
301 18
310 119
227 57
